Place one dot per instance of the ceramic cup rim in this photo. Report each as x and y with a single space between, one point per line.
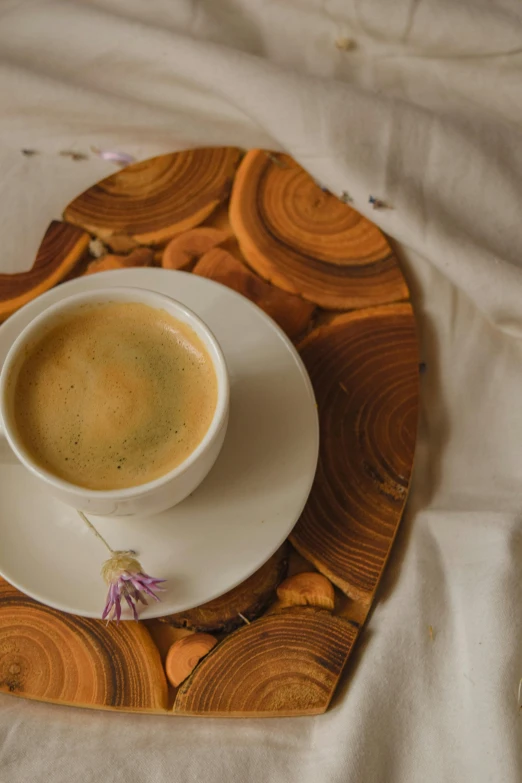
121 294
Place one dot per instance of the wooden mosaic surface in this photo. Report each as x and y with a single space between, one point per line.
277 644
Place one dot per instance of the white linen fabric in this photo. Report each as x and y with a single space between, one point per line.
418 103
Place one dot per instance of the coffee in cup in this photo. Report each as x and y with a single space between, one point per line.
113 395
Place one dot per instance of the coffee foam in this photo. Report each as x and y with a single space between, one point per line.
115 395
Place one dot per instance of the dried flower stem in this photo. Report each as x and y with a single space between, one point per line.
274 159
125 577
93 530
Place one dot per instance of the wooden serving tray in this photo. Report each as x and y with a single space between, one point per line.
257 223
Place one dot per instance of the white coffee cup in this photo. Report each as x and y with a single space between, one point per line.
152 496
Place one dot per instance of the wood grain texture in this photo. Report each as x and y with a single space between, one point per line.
307 589
292 313
364 369
57 657
309 249
249 599
220 219
183 251
62 248
308 242
121 243
141 256
283 664
185 654
154 200
164 636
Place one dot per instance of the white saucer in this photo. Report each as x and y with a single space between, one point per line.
233 522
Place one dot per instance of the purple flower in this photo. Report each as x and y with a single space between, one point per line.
126 579
120 158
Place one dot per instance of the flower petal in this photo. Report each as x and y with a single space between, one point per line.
132 607
125 578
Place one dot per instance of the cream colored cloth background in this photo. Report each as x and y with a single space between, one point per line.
424 111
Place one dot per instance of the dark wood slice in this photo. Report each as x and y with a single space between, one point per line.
364 369
291 312
154 200
308 242
57 657
63 247
249 599
220 219
286 663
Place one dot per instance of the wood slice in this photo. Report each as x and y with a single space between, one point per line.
62 248
164 635
57 657
183 251
121 243
249 599
291 312
141 256
307 589
306 241
185 654
283 664
154 200
364 369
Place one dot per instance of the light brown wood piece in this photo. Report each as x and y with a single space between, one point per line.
297 564
141 256
107 263
220 219
307 589
249 599
154 200
121 243
185 654
183 251
292 313
57 657
307 241
62 248
364 370
164 635
283 664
